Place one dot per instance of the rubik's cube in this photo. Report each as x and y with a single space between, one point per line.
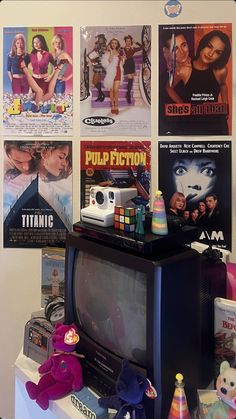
124 219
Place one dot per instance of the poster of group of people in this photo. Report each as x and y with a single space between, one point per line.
37 193
37 81
195 177
115 88
195 79
123 164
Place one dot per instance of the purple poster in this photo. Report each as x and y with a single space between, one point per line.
37 81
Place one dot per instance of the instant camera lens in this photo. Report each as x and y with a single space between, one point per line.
99 197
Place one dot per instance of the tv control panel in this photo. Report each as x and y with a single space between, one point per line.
103 387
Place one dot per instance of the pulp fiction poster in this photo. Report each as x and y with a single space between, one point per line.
37 81
115 80
195 178
124 164
37 193
195 79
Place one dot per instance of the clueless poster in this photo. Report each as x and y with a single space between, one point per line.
37 81
122 164
195 178
115 81
195 79
37 193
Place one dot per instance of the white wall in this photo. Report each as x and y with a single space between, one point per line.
20 269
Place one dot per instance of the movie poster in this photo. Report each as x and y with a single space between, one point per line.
52 274
37 81
37 193
123 164
195 178
115 81
195 79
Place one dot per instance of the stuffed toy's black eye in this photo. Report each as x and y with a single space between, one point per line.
232 383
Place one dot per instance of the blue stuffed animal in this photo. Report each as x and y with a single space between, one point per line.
130 389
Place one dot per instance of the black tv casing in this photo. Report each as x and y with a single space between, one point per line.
174 320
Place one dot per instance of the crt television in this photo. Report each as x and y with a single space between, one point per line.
145 308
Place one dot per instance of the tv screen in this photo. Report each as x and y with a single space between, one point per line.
111 305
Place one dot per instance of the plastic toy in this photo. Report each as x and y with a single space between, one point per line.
159 223
62 372
139 216
179 406
124 218
225 407
130 390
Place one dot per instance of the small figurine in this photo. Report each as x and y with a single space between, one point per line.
225 407
62 372
179 406
55 281
131 387
159 222
139 217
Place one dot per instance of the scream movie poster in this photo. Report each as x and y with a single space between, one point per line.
195 79
37 193
115 88
195 178
37 81
125 164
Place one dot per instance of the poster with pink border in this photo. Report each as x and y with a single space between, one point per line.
37 81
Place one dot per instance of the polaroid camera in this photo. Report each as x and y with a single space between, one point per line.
102 202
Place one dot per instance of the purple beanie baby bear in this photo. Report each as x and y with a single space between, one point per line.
130 390
62 372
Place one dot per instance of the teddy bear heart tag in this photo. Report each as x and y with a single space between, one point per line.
151 391
71 337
